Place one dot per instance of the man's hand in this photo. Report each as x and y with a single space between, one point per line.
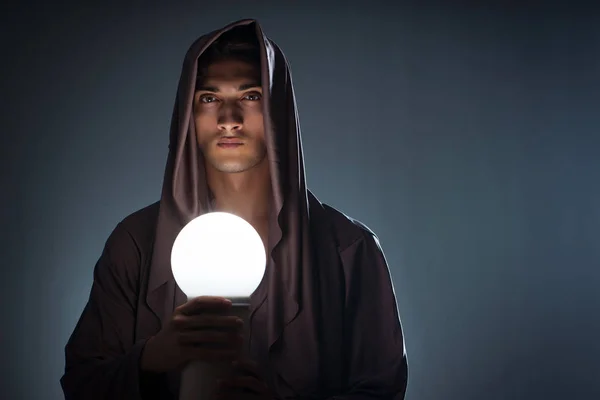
200 329
244 384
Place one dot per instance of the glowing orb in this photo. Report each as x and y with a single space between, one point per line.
218 254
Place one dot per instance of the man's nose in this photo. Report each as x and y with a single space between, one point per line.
230 126
230 118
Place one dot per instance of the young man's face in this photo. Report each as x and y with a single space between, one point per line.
228 116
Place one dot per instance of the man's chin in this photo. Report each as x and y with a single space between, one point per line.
232 167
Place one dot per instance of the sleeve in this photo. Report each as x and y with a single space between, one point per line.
101 357
377 362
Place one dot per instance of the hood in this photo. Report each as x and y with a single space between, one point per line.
185 193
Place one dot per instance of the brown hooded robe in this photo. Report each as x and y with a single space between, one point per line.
324 321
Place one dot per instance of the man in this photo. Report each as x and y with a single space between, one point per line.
324 322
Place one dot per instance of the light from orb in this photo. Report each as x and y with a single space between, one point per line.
218 254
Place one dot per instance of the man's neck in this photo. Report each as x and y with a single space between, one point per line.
246 194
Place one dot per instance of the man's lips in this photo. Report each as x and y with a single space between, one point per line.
229 143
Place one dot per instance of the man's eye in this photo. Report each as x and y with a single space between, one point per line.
252 96
207 99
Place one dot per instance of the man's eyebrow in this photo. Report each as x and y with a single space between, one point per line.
204 88
250 85
245 86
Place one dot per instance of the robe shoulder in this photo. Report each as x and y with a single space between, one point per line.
348 230
141 225
128 248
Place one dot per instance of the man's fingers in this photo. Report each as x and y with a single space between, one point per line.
211 355
208 337
183 322
206 304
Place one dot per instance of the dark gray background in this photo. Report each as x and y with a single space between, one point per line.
466 136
